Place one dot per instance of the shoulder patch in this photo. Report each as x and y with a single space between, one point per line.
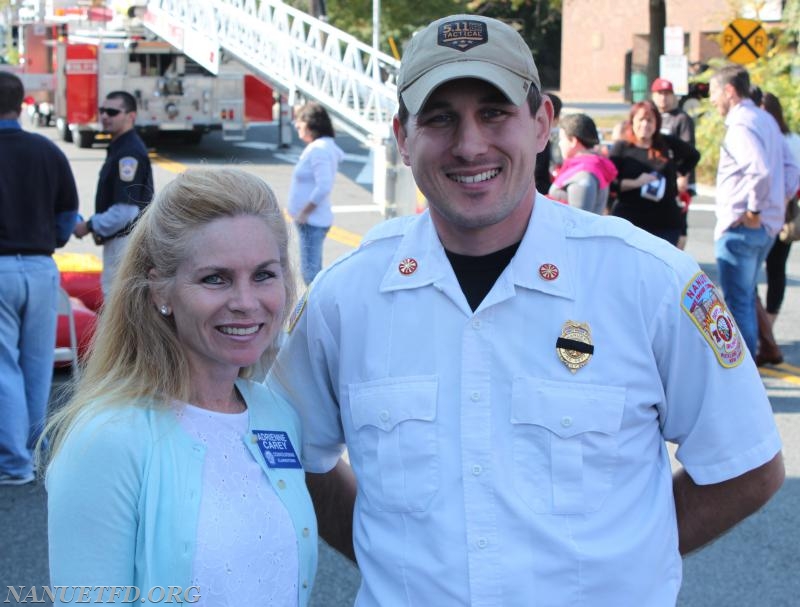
127 168
297 312
703 303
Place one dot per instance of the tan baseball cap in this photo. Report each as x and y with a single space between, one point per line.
466 46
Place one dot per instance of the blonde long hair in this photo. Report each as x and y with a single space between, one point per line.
135 356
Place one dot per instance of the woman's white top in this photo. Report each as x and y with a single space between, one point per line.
312 181
246 545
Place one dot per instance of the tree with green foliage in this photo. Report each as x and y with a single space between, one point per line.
777 72
538 21
399 19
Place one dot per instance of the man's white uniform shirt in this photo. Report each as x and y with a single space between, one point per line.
491 474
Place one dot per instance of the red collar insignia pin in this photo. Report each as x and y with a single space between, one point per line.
408 266
548 271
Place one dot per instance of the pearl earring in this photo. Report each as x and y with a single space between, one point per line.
164 310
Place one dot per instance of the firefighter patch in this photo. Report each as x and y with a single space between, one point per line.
127 168
703 303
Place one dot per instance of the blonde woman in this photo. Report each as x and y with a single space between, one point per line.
169 468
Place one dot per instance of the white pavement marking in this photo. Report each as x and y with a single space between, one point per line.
290 158
257 145
367 174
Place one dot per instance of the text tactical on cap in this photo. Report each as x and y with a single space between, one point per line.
466 46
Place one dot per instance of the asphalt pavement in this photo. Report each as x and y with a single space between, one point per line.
751 565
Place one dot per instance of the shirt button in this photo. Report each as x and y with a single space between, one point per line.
476 324
476 470
281 484
475 396
305 583
306 532
384 416
566 421
482 543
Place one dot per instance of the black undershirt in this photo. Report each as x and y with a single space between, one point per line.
476 275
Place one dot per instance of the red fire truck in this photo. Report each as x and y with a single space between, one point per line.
174 93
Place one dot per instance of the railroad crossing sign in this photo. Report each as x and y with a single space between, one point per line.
744 41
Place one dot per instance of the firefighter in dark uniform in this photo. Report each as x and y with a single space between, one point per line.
125 185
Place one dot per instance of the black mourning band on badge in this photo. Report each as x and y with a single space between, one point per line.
575 345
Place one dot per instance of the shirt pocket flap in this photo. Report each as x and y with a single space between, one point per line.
567 409
384 403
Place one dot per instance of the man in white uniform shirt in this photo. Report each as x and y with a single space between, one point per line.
505 370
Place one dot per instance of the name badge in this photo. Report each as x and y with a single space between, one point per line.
277 449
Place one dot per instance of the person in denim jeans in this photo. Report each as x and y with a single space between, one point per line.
38 209
755 177
312 182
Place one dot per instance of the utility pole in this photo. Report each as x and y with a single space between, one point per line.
658 21
317 9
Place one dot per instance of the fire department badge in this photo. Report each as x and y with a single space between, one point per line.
127 168
703 303
574 347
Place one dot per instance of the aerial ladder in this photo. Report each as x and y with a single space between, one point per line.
300 55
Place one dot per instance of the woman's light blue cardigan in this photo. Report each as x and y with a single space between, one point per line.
124 497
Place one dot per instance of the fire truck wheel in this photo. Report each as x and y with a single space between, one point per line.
85 139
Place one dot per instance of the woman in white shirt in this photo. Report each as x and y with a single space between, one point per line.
312 182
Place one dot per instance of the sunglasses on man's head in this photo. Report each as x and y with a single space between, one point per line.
109 110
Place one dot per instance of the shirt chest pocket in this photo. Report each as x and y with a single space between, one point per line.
565 443
394 422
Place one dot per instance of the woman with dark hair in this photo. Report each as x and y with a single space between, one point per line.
652 169
768 350
312 182
585 174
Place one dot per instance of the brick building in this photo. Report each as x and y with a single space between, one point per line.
597 35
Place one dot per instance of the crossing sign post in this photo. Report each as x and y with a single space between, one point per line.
744 41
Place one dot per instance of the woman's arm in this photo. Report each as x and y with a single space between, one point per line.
632 184
625 166
93 487
323 167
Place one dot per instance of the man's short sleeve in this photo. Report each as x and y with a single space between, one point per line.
305 375
716 408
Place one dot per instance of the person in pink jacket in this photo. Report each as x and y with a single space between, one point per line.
585 176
